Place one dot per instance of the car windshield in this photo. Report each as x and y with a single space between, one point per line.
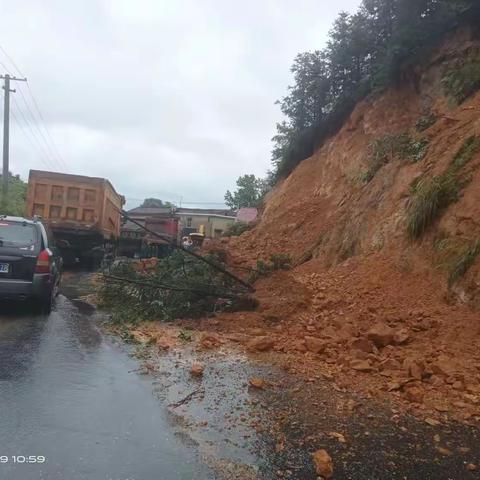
17 235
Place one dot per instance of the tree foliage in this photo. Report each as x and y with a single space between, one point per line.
179 286
155 203
249 193
17 194
366 52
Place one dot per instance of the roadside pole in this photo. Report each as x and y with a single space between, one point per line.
6 134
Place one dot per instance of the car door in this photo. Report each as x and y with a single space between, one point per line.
57 261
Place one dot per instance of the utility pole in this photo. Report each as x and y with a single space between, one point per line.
6 134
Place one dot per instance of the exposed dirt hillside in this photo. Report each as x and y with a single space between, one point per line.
356 269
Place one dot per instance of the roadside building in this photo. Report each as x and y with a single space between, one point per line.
135 241
247 215
210 222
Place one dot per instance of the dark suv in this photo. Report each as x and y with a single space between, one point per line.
30 265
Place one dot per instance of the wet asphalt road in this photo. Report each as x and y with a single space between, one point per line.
67 393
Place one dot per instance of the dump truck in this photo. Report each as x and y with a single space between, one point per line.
82 212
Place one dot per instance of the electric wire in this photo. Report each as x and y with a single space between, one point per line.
27 134
49 142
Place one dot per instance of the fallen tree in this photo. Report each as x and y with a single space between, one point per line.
178 286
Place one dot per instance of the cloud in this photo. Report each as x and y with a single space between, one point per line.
163 98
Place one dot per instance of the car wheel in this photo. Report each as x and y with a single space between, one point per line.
44 305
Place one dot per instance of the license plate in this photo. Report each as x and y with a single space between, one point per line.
4 267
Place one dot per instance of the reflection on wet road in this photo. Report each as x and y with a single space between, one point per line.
66 394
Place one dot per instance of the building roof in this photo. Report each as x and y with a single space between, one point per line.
150 211
247 215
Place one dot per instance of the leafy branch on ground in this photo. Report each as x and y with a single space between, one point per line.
433 195
179 286
393 146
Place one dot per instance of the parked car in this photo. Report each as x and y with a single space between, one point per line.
30 265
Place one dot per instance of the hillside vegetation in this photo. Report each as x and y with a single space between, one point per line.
367 52
17 192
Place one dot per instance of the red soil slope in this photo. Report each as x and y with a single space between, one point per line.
357 270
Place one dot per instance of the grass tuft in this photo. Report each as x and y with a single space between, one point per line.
425 122
465 260
470 147
432 196
462 81
393 146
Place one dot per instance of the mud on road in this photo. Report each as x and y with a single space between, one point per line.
250 419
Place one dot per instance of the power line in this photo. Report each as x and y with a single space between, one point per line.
173 201
51 146
28 125
24 131
59 160
27 134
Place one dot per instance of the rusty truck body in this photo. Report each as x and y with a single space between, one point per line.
82 212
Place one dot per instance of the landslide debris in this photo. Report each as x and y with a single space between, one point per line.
364 303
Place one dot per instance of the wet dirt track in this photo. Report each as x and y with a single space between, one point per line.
68 393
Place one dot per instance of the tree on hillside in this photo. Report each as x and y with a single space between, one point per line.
17 195
155 203
249 193
366 53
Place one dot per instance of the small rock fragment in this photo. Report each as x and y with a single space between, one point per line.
257 383
471 467
381 335
340 437
260 344
400 337
314 344
415 394
444 366
363 344
432 422
209 341
444 451
323 464
361 365
197 369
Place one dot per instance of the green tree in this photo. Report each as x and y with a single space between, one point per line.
155 203
249 193
17 195
366 52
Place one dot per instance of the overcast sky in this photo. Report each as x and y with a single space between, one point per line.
165 98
